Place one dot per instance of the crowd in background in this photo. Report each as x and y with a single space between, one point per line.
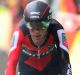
67 12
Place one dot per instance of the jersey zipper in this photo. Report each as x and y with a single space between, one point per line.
38 52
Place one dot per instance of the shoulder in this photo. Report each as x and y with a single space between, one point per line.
55 27
22 27
55 24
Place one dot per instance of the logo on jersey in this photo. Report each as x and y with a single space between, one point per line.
12 41
64 41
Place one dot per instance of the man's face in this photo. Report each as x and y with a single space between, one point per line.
37 32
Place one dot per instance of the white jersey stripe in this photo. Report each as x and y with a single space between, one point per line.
59 32
16 34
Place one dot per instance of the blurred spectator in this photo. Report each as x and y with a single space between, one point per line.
75 54
77 2
67 6
3 2
5 27
5 34
3 59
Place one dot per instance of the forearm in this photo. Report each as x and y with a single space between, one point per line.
65 64
12 62
10 69
66 69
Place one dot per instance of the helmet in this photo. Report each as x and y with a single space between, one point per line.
37 11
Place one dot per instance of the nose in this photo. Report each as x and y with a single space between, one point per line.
37 28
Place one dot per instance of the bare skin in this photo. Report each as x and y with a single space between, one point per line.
38 35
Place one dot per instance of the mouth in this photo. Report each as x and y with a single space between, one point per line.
37 37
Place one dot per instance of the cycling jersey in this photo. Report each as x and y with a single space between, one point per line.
51 58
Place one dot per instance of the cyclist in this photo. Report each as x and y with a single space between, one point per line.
38 44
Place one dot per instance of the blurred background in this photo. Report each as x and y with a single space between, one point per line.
67 12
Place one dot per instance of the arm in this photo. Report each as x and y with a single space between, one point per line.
64 55
62 48
14 53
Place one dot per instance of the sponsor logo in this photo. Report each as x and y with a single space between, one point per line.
18 73
35 13
64 41
49 17
34 17
50 11
69 72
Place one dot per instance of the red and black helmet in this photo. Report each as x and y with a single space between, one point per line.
37 11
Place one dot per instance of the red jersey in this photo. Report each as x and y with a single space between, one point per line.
33 60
